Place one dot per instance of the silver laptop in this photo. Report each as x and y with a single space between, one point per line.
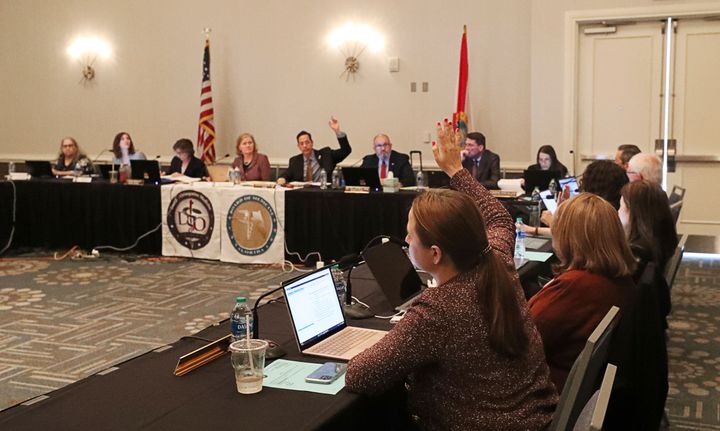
318 321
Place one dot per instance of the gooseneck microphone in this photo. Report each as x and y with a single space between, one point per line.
221 158
353 310
274 350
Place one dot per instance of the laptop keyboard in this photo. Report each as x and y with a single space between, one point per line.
342 343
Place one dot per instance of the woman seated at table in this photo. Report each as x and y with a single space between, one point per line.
123 150
253 166
546 160
602 178
595 273
70 159
185 162
468 347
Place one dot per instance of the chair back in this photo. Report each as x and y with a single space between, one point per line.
592 415
218 173
580 383
675 210
673 264
677 194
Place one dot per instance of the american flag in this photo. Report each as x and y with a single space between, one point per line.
206 127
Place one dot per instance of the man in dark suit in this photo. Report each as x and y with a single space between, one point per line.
386 160
482 163
306 166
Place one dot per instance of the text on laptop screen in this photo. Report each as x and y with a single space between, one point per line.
314 305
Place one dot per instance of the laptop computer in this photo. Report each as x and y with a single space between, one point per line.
366 177
148 170
538 178
437 179
104 170
38 168
395 274
318 321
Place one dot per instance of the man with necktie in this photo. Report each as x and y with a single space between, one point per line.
307 165
387 160
483 164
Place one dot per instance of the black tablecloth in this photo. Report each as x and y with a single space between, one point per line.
336 223
60 214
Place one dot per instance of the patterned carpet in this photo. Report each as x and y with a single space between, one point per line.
61 321
694 349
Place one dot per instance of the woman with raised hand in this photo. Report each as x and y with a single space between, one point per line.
468 348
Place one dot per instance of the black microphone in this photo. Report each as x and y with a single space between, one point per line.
221 158
353 310
274 350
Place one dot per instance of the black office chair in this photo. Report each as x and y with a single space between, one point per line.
593 414
677 194
673 264
675 210
581 381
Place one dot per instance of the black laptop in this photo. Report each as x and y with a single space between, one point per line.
366 177
104 170
147 170
437 179
394 272
540 179
38 168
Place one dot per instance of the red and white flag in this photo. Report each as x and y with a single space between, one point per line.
206 127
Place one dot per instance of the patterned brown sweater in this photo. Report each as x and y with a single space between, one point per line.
456 381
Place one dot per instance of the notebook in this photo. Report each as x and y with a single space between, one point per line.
394 273
38 168
318 321
367 177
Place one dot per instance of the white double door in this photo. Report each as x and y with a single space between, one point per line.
620 101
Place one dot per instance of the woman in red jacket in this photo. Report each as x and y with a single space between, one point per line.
595 273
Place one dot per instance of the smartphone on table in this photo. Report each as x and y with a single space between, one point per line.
327 373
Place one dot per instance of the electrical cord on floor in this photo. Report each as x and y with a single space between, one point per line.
110 247
14 209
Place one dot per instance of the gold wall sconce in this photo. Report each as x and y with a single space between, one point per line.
352 40
86 50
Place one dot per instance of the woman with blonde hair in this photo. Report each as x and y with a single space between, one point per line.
467 347
594 273
253 166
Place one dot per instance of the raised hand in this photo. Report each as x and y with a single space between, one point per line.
334 124
447 148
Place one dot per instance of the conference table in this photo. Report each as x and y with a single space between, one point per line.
58 213
143 393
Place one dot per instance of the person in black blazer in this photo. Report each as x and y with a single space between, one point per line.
482 163
306 165
185 162
397 163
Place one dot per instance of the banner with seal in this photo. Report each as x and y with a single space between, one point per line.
253 223
190 224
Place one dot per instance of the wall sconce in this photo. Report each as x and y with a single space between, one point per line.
352 40
86 50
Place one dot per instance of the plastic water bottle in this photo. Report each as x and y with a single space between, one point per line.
323 179
336 178
420 180
340 285
519 239
535 219
237 319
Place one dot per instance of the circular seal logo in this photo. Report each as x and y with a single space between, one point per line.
251 225
190 219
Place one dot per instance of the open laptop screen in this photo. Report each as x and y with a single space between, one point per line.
314 306
572 182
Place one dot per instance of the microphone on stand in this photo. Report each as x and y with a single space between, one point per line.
274 350
98 156
221 158
353 310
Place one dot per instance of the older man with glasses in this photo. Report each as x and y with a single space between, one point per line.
386 160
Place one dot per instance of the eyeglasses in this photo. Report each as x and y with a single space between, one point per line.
385 145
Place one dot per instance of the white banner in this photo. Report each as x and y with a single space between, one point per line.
190 225
223 222
253 224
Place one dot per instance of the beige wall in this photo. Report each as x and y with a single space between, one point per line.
272 73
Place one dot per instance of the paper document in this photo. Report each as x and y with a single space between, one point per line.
283 374
537 256
180 178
